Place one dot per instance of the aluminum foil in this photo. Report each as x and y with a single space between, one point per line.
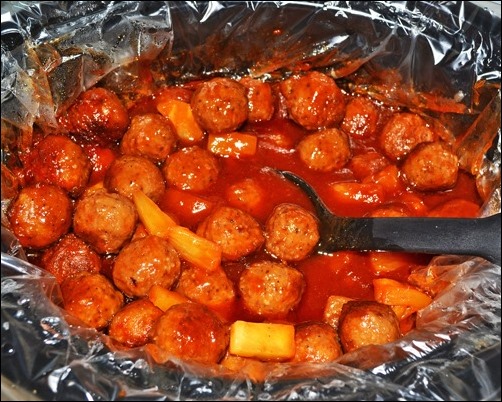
446 51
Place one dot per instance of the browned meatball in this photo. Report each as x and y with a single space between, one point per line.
146 262
237 232
71 255
191 331
325 150
91 298
333 309
150 135
316 342
313 100
367 164
105 220
363 323
402 133
211 288
431 167
361 118
260 99
248 195
271 289
132 326
40 215
291 232
57 159
97 116
130 173
220 105
191 168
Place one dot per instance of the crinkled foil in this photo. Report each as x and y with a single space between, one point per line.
447 58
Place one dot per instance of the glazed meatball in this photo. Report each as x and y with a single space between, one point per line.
40 215
191 168
97 116
57 159
291 232
237 232
211 288
431 167
363 323
132 326
247 195
149 135
361 118
402 133
333 309
130 173
316 342
105 220
260 99
191 331
91 298
367 164
146 262
325 150
70 256
220 105
271 289
313 100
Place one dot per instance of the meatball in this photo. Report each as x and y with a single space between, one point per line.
402 133
149 135
40 215
91 298
97 116
325 150
145 262
361 118
211 288
220 105
105 220
291 232
367 164
313 100
271 289
247 195
57 159
260 99
431 166
316 342
237 232
132 326
70 256
364 323
191 168
333 309
130 173
191 331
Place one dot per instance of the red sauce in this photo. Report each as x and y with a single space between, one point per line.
348 274
344 273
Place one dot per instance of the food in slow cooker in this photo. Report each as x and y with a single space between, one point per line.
160 218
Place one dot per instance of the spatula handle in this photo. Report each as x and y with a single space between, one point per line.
479 236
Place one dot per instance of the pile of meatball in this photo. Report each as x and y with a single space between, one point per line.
74 225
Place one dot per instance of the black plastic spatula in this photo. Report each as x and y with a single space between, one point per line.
465 236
